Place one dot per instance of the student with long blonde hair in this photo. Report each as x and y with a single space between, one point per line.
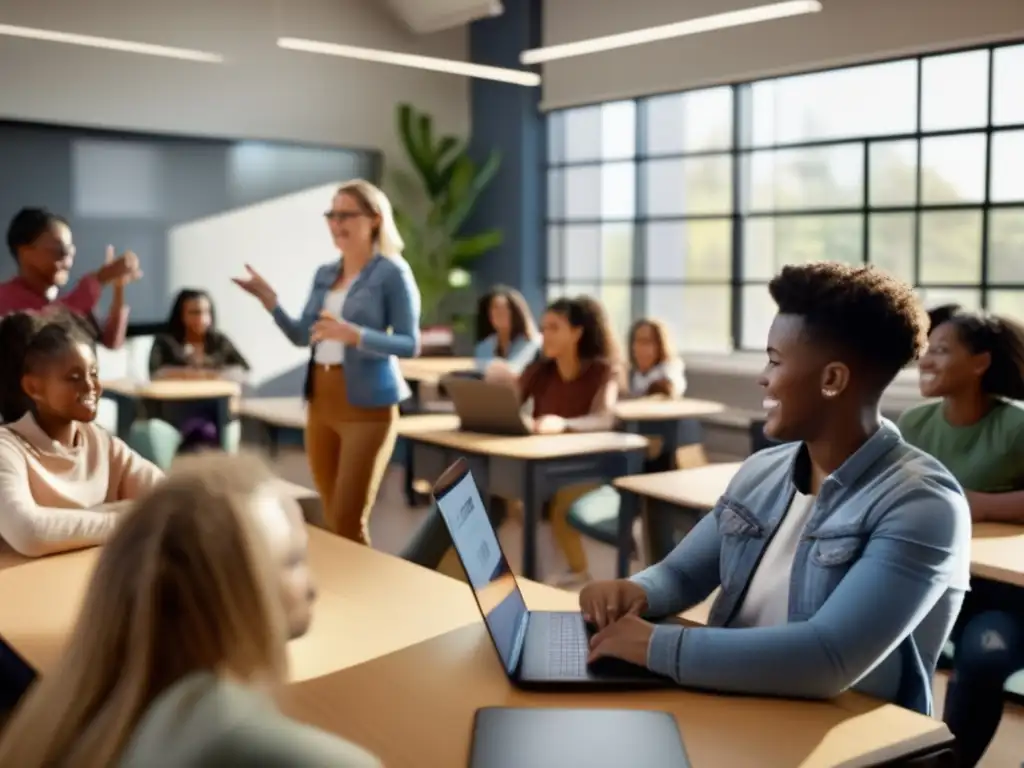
362 314
181 637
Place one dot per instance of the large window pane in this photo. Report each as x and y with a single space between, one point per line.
950 247
954 91
618 130
893 173
582 134
1008 303
968 298
953 169
1006 245
556 137
583 192
554 291
696 121
556 194
758 312
601 132
617 251
618 303
771 243
1008 85
1007 178
555 265
618 190
874 100
795 179
582 254
699 317
891 243
688 186
689 250
600 191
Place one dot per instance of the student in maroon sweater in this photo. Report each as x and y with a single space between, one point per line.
41 244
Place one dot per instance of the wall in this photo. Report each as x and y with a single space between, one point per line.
260 91
845 32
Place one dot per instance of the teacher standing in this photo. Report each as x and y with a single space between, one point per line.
362 313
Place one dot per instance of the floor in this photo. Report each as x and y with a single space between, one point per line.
393 522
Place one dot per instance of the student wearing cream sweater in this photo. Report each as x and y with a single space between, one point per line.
63 480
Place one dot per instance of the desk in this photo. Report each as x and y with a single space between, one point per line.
430 370
532 468
997 552
674 502
444 679
127 393
676 422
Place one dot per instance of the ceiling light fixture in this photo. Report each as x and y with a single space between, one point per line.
669 31
448 66
110 44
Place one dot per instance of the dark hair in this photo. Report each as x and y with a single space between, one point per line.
176 323
863 311
522 318
28 340
666 349
597 342
941 314
27 225
1001 338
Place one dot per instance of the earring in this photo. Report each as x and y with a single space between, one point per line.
828 392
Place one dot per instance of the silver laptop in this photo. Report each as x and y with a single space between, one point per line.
484 406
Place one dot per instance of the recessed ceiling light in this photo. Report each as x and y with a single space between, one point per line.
669 31
449 66
110 44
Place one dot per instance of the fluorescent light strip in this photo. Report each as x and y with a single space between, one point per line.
670 31
449 66
110 44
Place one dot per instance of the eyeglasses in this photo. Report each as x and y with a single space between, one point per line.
342 216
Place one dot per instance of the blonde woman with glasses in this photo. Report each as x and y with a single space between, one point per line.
362 314
181 638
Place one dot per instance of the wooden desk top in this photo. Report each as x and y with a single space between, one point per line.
287 412
421 423
174 390
997 552
665 409
534 446
430 370
698 487
444 680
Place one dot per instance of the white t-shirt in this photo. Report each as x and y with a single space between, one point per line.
766 603
332 352
672 370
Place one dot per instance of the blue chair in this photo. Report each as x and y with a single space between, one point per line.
156 440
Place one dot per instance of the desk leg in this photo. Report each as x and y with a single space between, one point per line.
223 415
273 440
629 504
532 507
410 475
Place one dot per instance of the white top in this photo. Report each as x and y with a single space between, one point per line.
672 370
766 603
332 352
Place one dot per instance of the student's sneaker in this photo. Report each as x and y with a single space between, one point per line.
572 580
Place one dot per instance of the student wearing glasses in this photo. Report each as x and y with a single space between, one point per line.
362 314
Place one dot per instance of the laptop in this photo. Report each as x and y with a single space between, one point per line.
486 406
543 737
538 649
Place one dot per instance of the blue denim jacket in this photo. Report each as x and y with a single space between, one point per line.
383 296
521 353
878 579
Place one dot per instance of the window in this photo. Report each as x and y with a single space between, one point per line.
683 206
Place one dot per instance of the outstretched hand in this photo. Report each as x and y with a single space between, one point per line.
255 285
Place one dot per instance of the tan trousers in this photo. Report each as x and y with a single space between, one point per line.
348 449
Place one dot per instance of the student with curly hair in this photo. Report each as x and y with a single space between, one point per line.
975 367
506 335
61 476
655 368
843 554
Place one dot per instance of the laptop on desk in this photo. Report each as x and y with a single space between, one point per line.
488 407
538 649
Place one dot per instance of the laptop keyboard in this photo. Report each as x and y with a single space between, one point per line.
569 647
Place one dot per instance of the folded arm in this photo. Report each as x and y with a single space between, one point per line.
906 567
402 310
997 507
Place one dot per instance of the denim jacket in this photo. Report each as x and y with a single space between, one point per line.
383 296
877 582
521 352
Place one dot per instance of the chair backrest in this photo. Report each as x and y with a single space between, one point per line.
156 440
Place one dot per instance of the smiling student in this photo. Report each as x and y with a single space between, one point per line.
61 476
843 554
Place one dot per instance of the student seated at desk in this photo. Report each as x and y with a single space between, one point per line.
975 364
193 348
655 368
61 476
181 638
506 335
574 388
843 556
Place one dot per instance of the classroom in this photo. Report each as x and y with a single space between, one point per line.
512 383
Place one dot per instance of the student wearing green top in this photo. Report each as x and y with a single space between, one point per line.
180 643
975 367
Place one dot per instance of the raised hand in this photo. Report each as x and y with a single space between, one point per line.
255 284
119 270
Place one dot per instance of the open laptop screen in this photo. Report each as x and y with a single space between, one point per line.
493 583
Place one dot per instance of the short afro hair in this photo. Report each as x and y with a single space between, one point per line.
862 311
27 225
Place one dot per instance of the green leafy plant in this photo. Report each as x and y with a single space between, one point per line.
434 206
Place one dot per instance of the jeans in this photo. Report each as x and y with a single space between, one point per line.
989 640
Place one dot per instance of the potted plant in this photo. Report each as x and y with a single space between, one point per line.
432 207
